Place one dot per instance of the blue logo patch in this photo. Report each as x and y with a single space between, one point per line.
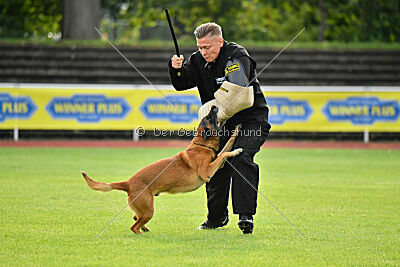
88 108
185 111
282 109
13 107
361 110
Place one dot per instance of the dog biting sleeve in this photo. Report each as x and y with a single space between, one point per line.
205 109
233 95
232 98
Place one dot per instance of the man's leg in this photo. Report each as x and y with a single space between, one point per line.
244 195
218 193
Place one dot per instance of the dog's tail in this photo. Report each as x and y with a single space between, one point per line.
105 187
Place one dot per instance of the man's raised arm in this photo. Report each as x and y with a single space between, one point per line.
180 74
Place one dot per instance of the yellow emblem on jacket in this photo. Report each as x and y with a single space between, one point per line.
232 68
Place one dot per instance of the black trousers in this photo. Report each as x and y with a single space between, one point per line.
244 198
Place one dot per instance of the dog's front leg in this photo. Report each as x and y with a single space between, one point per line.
228 146
214 166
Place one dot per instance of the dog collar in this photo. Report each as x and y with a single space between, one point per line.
213 149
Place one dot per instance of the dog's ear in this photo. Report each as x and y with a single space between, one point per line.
203 123
206 132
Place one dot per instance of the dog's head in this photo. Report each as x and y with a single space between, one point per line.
209 124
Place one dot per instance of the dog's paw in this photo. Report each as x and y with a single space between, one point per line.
237 128
238 151
145 229
222 164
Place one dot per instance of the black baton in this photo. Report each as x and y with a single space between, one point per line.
173 35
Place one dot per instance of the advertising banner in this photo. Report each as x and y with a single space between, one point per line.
334 111
113 107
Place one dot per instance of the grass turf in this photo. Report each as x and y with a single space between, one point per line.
346 202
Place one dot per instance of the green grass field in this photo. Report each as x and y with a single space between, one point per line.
346 202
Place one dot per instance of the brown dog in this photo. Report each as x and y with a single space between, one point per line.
183 172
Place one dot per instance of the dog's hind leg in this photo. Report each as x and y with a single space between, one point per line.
135 228
146 217
141 221
144 209
146 205
137 214
144 228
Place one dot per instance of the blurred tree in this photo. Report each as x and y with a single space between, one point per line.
80 19
186 15
259 20
381 20
366 20
322 22
29 18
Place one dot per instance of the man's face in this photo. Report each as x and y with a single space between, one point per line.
210 46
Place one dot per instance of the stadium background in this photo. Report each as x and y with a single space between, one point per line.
339 79
69 102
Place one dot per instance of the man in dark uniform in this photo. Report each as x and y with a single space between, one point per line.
217 61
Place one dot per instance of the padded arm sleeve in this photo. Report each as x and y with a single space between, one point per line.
237 71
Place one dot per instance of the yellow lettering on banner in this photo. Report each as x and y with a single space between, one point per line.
366 110
284 110
334 110
349 110
194 109
14 108
300 111
355 110
156 108
297 110
388 111
7 107
58 108
383 111
181 108
22 108
166 108
102 108
113 109
69 108
273 110
376 111
91 108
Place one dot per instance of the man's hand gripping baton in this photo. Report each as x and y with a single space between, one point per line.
173 36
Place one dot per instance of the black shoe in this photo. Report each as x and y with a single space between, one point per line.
246 224
213 224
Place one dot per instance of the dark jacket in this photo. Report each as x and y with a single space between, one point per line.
208 77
